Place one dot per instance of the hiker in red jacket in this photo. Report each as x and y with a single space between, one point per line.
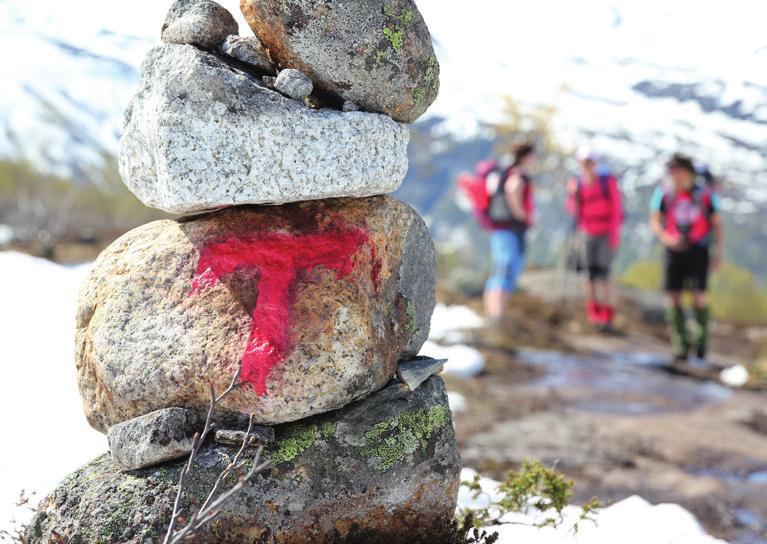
595 201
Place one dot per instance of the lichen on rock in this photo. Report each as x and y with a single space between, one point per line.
315 462
390 442
367 51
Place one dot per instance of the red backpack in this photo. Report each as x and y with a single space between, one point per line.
474 186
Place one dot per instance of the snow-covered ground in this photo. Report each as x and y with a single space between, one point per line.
630 521
46 435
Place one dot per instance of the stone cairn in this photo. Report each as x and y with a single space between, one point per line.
288 273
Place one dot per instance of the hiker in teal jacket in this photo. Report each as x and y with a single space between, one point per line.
685 218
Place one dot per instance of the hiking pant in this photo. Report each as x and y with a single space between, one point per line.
508 251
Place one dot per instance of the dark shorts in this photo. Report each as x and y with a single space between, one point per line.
599 257
687 269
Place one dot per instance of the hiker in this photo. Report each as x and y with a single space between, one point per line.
594 200
685 217
509 214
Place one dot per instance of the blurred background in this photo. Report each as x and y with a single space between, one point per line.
635 81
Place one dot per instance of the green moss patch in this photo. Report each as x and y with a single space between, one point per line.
398 18
395 38
390 442
411 326
301 438
405 16
430 82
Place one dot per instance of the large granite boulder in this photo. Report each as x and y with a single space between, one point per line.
317 301
199 22
382 470
201 134
375 53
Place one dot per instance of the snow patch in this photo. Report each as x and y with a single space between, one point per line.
449 321
630 521
734 376
462 361
45 422
457 402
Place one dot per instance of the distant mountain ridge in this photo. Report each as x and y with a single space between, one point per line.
617 79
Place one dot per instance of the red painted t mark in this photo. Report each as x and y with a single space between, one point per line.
278 257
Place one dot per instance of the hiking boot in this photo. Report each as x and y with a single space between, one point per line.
595 313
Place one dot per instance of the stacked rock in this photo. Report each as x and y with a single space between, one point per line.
317 302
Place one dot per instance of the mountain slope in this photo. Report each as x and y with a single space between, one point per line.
632 79
635 80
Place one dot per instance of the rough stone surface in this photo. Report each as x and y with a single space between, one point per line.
153 438
350 106
416 371
259 436
201 134
247 49
384 470
293 83
317 300
198 22
376 53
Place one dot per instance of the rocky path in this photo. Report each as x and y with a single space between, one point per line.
608 413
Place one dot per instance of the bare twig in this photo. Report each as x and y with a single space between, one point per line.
17 532
211 507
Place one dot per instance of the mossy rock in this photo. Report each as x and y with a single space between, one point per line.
385 469
375 53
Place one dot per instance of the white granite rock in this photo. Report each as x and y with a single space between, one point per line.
294 84
153 438
199 22
200 134
247 49
350 106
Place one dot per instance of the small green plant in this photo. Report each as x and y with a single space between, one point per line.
533 487
467 532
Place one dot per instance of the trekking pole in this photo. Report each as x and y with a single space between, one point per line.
572 272
566 274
